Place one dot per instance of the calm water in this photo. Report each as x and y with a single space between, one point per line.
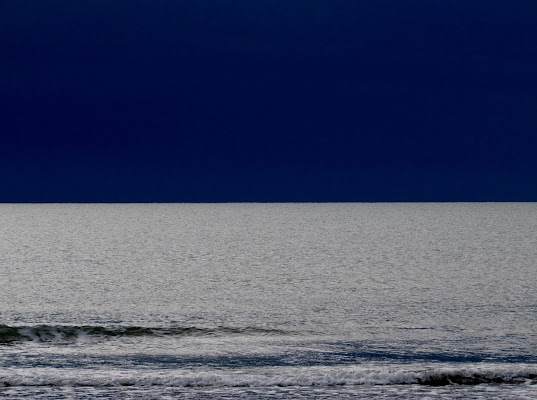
268 301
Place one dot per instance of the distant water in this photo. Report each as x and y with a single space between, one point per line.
269 301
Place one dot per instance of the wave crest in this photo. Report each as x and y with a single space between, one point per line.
274 377
66 333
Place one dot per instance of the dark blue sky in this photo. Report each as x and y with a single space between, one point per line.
165 101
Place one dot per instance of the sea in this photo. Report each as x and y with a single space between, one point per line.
268 301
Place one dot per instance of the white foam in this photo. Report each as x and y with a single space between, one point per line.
265 377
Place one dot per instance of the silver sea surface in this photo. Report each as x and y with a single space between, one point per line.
265 301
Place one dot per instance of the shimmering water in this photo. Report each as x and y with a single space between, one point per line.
268 300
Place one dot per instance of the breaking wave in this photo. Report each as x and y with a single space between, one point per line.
274 377
66 333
